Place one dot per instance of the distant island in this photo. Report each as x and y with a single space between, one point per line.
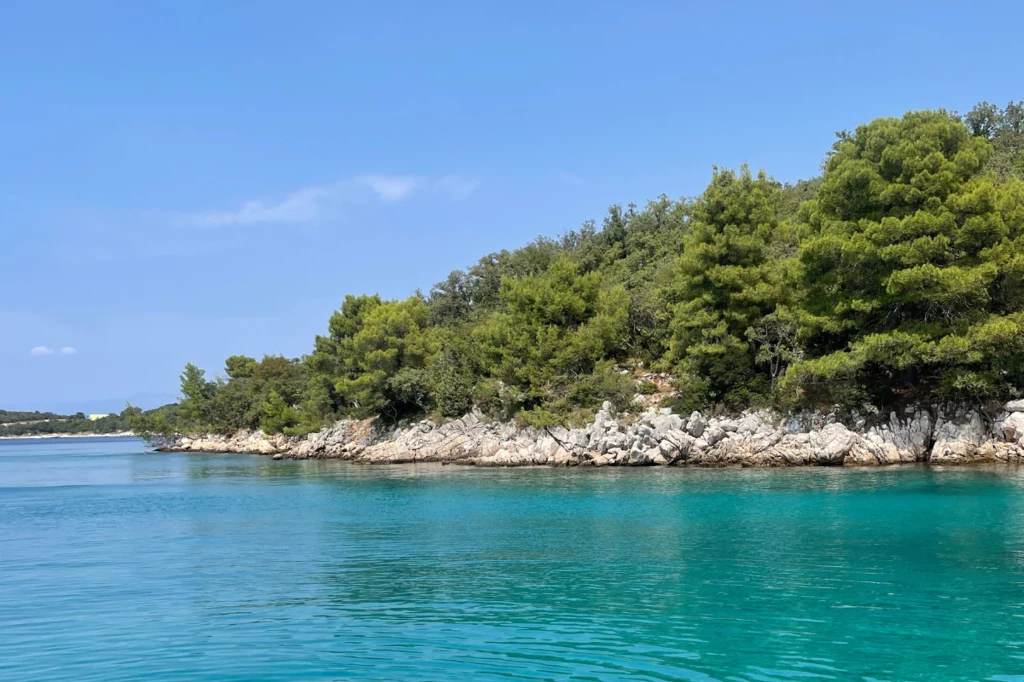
15 424
887 293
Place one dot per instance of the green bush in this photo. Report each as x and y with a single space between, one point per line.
647 387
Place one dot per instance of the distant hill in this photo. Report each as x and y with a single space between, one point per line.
20 423
8 417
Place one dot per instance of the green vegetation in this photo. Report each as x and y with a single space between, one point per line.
895 276
8 417
48 423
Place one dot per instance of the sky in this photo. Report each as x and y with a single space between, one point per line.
183 181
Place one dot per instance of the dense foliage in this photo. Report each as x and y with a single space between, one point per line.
48 423
10 417
895 276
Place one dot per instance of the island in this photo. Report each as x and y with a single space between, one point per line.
871 315
21 424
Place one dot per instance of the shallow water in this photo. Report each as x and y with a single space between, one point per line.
118 565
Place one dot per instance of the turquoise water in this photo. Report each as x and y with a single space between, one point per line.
117 565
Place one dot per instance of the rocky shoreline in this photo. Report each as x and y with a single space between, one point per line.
656 437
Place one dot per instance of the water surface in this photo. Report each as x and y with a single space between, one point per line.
119 565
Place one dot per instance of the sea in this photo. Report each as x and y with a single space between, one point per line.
117 563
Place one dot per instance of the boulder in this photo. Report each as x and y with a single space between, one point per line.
1012 427
1015 406
832 443
696 424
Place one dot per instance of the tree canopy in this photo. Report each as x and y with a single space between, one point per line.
896 275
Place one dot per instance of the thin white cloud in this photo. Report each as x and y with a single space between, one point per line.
41 350
458 186
68 350
570 178
391 187
301 206
311 204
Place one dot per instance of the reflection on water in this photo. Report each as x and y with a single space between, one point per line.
117 565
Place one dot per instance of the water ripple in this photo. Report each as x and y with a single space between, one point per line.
116 565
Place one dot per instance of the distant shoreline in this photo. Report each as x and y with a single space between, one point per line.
42 436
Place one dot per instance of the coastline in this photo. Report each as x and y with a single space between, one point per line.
44 436
656 437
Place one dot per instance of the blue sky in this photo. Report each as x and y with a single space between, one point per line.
181 181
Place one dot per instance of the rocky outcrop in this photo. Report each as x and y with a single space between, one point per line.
899 440
657 437
249 442
344 440
964 439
